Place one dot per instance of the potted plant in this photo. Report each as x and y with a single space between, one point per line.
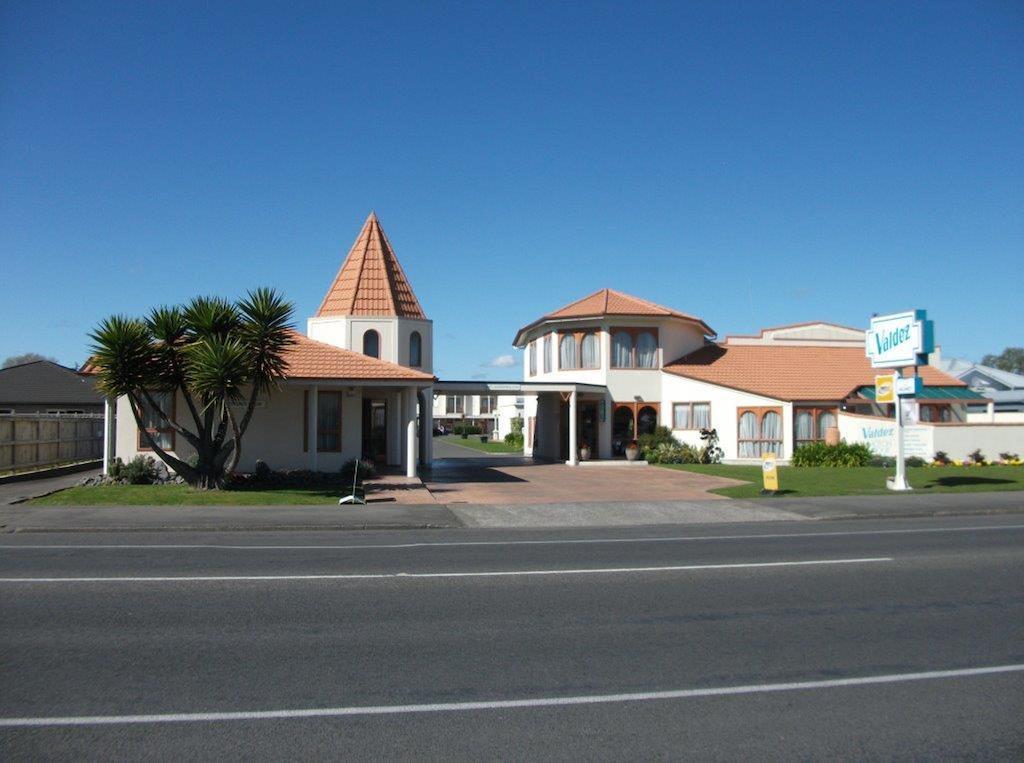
584 452
632 450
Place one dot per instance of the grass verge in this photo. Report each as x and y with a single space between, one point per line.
473 441
797 482
183 495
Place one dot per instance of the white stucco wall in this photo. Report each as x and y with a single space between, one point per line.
347 332
724 404
924 440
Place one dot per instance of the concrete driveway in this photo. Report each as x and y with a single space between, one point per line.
494 479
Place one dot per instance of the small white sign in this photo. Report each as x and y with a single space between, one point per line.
908 386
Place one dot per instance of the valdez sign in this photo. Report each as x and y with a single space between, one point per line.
900 339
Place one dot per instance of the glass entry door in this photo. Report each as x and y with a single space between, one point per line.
375 430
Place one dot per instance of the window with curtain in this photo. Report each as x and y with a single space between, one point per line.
826 420
771 433
415 349
328 422
453 404
157 426
590 351
622 350
749 435
691 416
646 350
567 352
547 353
532 352
371 344
804 427
488 403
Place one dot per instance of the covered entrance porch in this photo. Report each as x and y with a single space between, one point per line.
551 406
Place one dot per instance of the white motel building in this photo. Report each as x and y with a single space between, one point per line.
601 370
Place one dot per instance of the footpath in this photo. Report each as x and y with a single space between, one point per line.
26 518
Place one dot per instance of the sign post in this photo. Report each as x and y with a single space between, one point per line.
770 473
898 341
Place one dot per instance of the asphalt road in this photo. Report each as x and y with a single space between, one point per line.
377 645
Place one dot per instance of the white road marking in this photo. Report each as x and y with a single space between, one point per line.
428 575
448 707
553 542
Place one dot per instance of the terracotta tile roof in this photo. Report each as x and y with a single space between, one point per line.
310 359
789 373
371 281
610 302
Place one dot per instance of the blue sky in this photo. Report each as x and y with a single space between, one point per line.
751 163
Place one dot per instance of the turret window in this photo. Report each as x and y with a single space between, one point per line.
371 344
415 349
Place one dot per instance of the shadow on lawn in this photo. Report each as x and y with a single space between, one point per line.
957 481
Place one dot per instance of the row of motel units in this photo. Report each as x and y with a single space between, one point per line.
360 382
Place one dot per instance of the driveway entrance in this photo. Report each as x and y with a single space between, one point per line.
503 479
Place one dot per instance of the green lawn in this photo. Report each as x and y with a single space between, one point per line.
183 495
473 441
820 480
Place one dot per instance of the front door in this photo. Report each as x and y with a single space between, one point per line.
375 430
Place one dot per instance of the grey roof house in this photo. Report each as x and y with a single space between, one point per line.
46 387
1004 388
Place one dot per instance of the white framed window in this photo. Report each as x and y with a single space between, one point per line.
691 416
454 404
567 352
532 354
590 351
415 349
547 353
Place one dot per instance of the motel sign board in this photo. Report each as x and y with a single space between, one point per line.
900 339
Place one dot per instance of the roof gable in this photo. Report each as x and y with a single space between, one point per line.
371 280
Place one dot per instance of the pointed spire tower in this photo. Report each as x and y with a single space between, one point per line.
371 280
370 306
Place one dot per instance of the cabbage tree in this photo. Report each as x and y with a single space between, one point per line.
213 354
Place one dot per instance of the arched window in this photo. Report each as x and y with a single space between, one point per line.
749 433
646 350
590 351
371 344
547 353
646 420
567 352
826 420
804 427
415 349
622 350
771 433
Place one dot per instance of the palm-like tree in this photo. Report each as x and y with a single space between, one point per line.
212 354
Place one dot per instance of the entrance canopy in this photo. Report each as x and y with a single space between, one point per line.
513 387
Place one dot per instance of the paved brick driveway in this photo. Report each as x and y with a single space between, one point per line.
512 480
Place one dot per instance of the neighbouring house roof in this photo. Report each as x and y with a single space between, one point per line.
610 302
371 280
790 373
45 382
961 368
310 359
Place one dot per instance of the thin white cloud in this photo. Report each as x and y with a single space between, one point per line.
502 361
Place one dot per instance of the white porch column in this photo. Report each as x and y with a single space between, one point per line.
429 413
572 429
991 410
109 409
311 426
410 431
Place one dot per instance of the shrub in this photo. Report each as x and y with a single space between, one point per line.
141 470
914 461
466 429
514 439
660 436
941 458
885 461
977 457
842 454
1009 457
669 453
367 469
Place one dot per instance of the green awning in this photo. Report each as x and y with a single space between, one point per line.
932 393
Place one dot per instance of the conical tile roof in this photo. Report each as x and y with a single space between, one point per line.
371 281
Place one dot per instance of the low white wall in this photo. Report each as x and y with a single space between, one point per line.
1000 417
924 440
